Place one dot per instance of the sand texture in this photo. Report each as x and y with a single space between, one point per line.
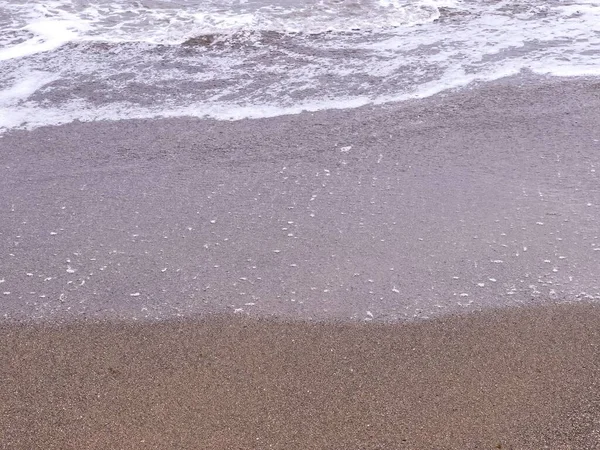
454 203
514 379
190 283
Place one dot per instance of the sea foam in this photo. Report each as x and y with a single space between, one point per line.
60 61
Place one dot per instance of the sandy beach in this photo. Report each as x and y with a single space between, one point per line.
419 275
468 200
515 379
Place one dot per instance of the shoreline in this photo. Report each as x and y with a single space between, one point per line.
477 209
458 202
523 80
511 379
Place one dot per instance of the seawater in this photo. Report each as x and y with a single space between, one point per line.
66 60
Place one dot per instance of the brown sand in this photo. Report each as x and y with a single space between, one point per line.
519 378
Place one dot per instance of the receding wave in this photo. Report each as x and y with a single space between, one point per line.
50 24
62 60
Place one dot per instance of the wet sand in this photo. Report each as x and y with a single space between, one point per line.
120 241
458 202
512 379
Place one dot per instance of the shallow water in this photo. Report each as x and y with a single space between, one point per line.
482 199
62 60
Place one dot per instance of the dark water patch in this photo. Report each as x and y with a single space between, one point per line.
524 9
239 40
448 15
200 41
262 38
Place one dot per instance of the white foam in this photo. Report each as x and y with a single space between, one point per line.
398 60
49 30
25 85
30 117
56 22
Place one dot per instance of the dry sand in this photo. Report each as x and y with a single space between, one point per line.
512 379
